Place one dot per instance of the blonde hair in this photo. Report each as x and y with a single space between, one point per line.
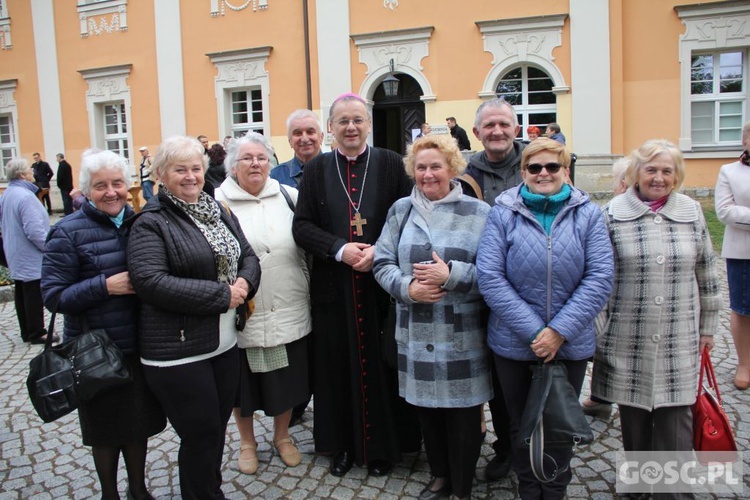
177 148
650 150
445 144
545 144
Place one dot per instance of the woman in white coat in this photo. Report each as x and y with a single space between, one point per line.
273 344
732 198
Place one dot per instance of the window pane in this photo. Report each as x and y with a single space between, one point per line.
702 122
239 107
513 74
113 146
542 98
702 69
255 95
258 116
239 96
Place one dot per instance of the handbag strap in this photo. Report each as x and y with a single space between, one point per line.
536 441
707 367
50 331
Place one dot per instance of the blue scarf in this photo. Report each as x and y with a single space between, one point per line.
545 208
117 220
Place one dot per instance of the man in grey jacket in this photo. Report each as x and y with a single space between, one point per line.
496 169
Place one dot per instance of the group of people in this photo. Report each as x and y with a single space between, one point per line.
279 286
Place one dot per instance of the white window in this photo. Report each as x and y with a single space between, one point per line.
7 142
529 90
718 91
5 40
247 111
714 76
116 128
242 90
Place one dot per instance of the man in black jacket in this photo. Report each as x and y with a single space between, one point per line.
42 175
459 134
65 183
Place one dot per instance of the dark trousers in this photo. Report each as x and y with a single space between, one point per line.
30 309
452 441
500 420
66 200
662 429
198 399
515 379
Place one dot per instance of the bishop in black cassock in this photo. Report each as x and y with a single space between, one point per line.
343 199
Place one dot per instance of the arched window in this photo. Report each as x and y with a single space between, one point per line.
529 90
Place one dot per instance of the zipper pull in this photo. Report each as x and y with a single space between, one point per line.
182 335
549 243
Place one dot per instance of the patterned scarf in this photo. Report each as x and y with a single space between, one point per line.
654 205
745 158
206 215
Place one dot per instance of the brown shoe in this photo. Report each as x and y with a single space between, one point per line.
248 461
291 457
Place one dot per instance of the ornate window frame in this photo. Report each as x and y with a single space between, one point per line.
5 40
525 40
405 47
107 86
8 107
238 70
89 10
710 27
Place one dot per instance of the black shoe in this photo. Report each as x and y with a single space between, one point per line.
130 496
379 468
498 468
341 463
442 492
43 340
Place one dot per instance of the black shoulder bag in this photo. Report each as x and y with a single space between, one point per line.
552 418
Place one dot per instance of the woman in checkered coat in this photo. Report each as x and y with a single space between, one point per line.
665 305
443 365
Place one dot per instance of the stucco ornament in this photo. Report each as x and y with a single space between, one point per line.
390 4
218 7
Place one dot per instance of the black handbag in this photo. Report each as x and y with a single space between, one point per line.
388 347
77 370
50 383
98 364
552 418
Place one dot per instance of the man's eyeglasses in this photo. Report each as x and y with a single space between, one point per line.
536 168
262 160
356 121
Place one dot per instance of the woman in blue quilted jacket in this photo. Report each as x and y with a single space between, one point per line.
545 269
85 277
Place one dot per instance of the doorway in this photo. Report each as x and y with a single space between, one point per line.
394 118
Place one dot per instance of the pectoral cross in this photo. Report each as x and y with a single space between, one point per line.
358 221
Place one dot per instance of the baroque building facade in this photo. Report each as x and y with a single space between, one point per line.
120 74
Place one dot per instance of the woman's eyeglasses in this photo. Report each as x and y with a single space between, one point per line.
536 168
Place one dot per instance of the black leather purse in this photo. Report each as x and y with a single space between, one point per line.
552 418
50 383
77 370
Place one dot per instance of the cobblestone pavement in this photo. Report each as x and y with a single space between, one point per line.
48 460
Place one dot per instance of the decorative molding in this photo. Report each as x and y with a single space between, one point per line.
708 27
218 7
527 40
5 41
405 47
7 101
93 21
390 4
237 69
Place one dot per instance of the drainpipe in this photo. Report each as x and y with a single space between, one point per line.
308 78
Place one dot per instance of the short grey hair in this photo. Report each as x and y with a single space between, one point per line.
497 102
301 113
233 148
177 148
16 168
94 160
619 168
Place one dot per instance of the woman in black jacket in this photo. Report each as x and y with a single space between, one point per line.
85 277
191 266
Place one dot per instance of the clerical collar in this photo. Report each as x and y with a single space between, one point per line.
352 158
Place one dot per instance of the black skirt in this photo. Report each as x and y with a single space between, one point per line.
277 391
128 414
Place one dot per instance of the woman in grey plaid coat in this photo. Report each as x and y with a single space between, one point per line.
443 365
665 305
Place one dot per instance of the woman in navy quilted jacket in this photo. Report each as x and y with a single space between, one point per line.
85 277
545 269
